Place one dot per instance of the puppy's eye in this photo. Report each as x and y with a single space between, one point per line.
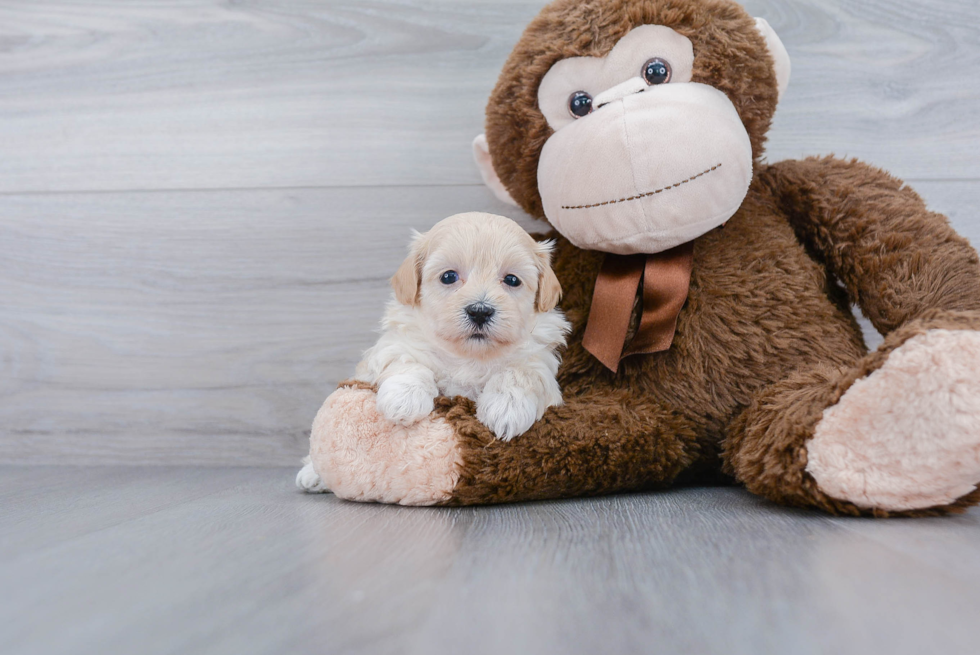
512 281
656 71
449 277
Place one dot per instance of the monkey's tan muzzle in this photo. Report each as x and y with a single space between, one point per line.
647 171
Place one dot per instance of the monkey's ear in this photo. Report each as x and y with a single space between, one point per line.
778 51
407 280
549 288
481 153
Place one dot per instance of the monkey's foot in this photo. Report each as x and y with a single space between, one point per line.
907 436
361 456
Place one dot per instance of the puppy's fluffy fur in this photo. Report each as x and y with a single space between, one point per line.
473 314
435 341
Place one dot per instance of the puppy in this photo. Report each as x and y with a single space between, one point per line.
472 314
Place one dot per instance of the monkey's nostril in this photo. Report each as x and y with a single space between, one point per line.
620 91
479 313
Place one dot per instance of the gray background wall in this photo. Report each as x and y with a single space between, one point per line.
200 202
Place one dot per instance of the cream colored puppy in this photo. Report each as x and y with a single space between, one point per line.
473 315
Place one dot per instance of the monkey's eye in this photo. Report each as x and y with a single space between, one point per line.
512 281
449 277
656 71
580 104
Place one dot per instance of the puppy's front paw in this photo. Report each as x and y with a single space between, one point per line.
508 415
404 399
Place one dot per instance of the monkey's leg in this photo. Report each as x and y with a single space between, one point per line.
601 442
897 433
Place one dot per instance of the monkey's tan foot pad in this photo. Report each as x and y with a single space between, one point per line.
907 436
361 456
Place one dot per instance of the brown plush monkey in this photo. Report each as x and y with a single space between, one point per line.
636 128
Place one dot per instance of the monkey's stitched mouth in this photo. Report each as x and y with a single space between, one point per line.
648 193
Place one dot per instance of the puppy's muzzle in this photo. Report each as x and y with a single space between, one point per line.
479 313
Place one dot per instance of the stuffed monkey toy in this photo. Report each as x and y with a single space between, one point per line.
709 292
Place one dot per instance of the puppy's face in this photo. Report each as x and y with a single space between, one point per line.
477 280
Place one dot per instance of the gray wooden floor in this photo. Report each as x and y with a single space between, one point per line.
200 204
158 560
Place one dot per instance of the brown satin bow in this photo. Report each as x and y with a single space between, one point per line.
666 279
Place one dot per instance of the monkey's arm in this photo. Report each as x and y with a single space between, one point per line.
897 431
896 259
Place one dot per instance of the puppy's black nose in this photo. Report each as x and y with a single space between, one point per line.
479 313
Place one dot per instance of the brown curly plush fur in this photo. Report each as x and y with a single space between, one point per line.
766 340
729 54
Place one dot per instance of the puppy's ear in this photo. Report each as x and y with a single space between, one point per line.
407 280
549 288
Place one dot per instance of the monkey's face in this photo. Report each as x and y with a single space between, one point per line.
641 159
633 127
